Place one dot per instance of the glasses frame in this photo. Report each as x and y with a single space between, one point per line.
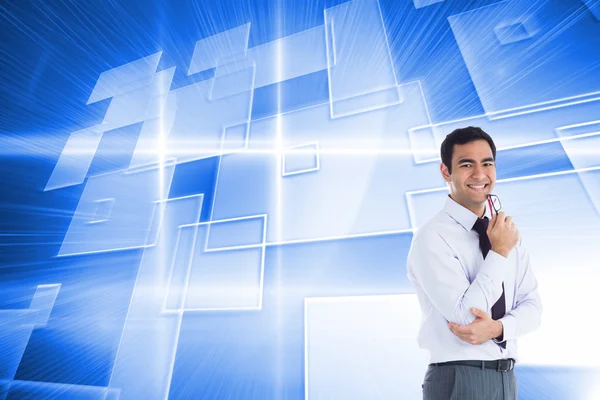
492 199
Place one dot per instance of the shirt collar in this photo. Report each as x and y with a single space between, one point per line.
462 215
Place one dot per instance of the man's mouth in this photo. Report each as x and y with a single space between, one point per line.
478 187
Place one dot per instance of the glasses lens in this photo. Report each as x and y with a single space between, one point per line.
496 203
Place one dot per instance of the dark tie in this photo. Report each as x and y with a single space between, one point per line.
498 309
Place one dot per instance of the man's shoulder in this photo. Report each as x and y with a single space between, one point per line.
435 227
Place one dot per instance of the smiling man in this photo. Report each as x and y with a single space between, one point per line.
474 281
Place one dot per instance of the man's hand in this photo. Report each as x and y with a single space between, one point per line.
503 234
481 330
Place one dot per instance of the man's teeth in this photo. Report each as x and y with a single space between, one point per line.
477 186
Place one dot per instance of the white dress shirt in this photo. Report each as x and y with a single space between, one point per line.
450 275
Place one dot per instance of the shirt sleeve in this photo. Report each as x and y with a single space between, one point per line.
527 314
433 266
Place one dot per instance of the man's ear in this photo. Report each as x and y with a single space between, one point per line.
445 172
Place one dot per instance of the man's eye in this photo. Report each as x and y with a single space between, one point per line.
465 165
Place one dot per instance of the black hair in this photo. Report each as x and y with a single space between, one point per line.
463 136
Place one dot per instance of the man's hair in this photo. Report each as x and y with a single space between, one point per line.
463 136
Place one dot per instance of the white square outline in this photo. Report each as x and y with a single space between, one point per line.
94 219
162 166
262 246
301 171
339 299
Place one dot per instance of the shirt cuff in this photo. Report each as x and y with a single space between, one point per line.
509 328
494 266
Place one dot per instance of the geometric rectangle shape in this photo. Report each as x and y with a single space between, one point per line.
76 158
115 149
507 72
366 102
422 205
532 160
422 144
103 210
150 141
236 137
14 341
49 390
135 193
210 51
425 3
227 278
38 312
128 108
43 302
350 195
233 83
235 63
513 32
180 269
150 334
583 152
196 177
198 123
238 232
359 61
301 159
288 57
16 327
223 280
134 106
363 347
125 78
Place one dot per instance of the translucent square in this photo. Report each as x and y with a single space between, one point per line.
514 32
236 137
103 211
301 159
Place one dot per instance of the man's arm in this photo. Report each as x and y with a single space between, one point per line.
434 267
526 316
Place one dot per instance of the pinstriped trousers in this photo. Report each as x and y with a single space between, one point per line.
462 382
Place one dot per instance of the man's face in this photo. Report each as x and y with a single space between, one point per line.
473 174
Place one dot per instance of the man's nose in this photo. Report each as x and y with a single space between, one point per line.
478 172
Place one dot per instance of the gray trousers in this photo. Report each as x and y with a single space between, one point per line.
462 382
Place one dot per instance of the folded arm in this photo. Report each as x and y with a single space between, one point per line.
437 270
527 314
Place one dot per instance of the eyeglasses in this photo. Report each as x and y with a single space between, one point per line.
494 203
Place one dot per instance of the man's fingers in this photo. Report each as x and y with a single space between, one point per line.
463 333
500 217
458 329
496 219
479 313
492 223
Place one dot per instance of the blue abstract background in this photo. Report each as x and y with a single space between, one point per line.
216 199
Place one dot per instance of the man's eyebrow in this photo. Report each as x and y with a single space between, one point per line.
470 160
